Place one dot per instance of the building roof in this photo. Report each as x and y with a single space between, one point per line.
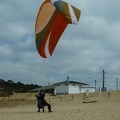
72 82
43 88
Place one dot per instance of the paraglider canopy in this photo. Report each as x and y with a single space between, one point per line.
52 19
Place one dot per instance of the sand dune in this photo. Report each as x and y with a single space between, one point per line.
95 106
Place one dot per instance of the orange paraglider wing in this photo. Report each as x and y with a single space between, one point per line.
52 19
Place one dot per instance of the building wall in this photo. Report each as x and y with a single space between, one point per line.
73 88
62 89
67 89
87 89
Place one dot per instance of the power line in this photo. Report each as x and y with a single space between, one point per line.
86 78
98 77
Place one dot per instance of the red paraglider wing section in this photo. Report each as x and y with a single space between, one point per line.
52 36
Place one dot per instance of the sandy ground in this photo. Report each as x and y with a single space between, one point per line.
95 106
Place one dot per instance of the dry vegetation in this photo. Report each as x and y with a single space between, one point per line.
94 106
29 98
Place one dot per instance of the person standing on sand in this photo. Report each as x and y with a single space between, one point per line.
42 102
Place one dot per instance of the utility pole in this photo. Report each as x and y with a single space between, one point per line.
117 83
95 85
103 87
49 84
103 78
68 84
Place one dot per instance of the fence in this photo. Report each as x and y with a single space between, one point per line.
85 96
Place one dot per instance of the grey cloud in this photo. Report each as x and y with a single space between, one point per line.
82 51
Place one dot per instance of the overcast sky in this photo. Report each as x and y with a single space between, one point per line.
82 52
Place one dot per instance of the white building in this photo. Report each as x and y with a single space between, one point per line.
67 87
